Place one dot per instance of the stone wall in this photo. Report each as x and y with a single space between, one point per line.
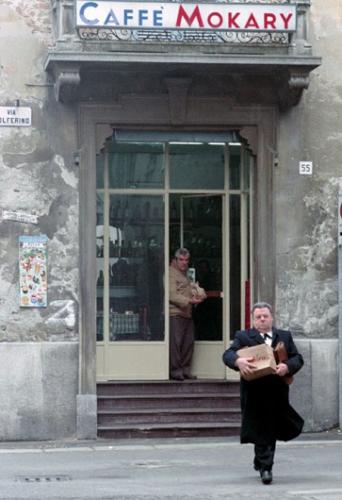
38 383
306 223
38 346
306 206
38 176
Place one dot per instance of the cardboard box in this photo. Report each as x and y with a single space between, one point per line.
263 360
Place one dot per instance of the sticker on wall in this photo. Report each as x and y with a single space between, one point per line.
33 270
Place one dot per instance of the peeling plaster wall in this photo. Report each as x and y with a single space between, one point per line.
306 223
38 347
306 206
38 176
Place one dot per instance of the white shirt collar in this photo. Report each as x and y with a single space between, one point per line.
268 340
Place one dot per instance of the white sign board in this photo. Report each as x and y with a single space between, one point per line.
15 116
179 16
305 167
19 216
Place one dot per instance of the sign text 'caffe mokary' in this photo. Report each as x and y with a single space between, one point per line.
231 17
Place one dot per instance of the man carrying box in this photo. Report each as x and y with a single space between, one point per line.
267 415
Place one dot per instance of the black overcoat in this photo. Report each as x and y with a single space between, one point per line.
267 415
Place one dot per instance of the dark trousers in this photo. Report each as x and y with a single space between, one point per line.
264 456
182 339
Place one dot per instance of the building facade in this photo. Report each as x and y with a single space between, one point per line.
127 132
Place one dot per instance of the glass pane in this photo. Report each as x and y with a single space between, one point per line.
100 170
246 169
234 167
136 256
99 268
196 166
175 223
202 236
235 264
136 166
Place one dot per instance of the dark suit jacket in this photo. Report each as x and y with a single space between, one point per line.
266 412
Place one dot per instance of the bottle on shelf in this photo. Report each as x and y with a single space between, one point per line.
129 249
116 250
115 212
191 211
125 212
155 213
147 210
173 211
136 216
100 279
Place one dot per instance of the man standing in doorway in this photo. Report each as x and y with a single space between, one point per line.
182 297
266 413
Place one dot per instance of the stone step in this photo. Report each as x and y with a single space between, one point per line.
169 386
167 401
169 430
168 409
166 416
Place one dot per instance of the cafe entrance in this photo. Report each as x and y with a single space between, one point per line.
156 192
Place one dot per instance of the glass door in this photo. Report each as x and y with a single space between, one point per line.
200 229
154 195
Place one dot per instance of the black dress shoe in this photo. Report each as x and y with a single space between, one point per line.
177 377
266 476
189 376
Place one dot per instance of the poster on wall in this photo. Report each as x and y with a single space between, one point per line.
33 271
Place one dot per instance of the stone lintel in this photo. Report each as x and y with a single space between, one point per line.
288 75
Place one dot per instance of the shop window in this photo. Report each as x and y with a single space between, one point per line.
136 166
136 267
198 166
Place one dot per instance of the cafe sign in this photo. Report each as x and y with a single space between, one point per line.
181 16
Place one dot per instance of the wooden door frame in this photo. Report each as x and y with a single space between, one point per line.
256 124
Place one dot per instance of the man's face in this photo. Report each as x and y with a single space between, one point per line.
262 319
182 263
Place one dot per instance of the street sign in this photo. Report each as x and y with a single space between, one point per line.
15 116
19 216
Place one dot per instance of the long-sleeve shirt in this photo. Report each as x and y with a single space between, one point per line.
180 294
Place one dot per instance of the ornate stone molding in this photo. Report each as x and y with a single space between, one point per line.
67 82
178 91
251 136
299 80
290 91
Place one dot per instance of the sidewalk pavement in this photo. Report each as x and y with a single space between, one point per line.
329 435
307 468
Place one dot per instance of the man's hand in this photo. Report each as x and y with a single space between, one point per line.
245 365
197 300
282 369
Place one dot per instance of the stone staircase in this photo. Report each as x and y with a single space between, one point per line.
168 409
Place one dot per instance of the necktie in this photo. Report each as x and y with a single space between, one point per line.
267 338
